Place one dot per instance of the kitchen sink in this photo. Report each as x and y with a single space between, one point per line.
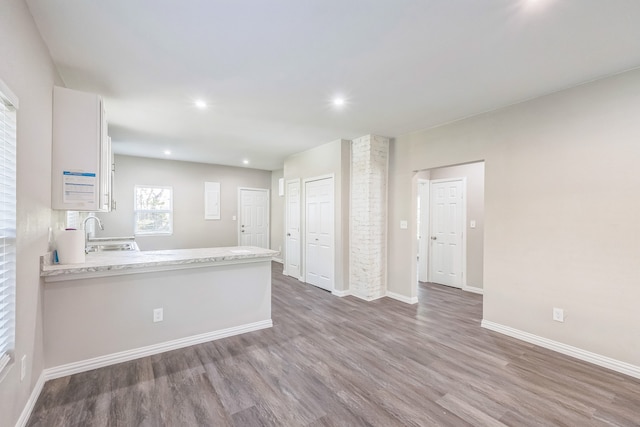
112 244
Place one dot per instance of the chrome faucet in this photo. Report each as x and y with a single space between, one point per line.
86 234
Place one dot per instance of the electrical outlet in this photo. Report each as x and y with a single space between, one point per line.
23 367
558 314
158 315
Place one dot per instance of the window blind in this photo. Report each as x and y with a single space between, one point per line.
8 106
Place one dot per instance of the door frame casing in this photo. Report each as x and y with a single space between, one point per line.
463 219
239 217
303 227
286 222
423 231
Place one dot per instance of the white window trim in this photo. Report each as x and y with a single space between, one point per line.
8 235
136 211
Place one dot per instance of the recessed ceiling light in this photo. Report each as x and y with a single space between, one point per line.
338 101
167 152
531 4
245 161
201 104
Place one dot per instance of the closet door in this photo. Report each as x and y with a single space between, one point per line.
319 233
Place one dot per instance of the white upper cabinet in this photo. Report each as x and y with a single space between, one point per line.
81 156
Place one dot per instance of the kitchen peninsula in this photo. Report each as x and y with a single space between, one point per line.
118 306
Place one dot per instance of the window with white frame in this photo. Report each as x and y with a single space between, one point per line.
153 208
8 107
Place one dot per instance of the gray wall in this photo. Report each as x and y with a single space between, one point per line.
114 314
26 68
474 173
190 229
561 226
331 158
277 214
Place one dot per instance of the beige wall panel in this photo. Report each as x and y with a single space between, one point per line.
88 318
561 225
27 69
190 229
277 213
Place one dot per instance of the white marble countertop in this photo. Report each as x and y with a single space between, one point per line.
100 264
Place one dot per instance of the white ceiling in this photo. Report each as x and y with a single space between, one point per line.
269 69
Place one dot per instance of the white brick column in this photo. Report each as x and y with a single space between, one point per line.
368 237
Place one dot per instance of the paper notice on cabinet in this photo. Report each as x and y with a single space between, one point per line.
79 187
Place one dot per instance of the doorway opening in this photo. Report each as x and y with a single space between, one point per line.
450 226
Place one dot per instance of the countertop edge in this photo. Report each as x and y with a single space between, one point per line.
56 273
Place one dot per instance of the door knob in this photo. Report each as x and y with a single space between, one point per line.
288 234
434 238
316 240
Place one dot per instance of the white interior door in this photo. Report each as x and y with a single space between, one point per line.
292 229
447 222
423 230
319 220
254 217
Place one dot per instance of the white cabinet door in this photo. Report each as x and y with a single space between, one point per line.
81 152
319 220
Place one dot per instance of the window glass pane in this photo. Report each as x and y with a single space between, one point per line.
153 198
153 210
153 222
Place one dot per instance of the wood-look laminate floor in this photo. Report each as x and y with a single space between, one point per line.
332 361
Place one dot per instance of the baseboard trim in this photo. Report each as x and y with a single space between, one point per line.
124 356
341 293
404 299
31 402
473 289
367 299
578 353
392 295
278 260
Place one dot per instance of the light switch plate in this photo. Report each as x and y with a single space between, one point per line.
404 225
472 224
